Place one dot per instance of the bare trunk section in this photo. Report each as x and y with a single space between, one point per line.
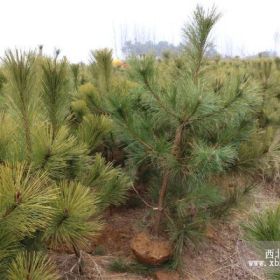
79 260
176 151
162 194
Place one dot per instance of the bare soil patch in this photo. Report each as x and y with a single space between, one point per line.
217 258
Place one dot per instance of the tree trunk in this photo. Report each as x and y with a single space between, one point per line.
176 151
80 260
162 194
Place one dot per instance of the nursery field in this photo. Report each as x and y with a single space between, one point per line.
146 168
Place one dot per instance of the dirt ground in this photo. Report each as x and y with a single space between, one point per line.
218 258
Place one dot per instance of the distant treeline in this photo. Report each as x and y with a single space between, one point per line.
136 48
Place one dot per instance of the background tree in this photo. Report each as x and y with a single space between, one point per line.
101 67
44 202
138 48
55 91
20 72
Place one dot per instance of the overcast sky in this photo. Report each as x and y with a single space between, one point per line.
76 26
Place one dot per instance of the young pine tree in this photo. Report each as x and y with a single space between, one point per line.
25 209
21 90
184 130
102 68
262 230
58 197
55 91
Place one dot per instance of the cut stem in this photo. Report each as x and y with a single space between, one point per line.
80 260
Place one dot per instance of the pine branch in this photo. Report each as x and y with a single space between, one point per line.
20 69
73 209
197 37
25 199
63 157
218 111
109 183
54 91
102 68
159 101
32 266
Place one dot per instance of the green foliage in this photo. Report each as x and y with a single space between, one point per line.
79 109
91 97
261 151
232 198
93 129
270 160
7 129
62 156
264 226
21 85
3 81
274 275
55 91
75 68
110 184
197 37
25 200
180 123
209 160
102 68
8 249
25 209
32 266
47 123
71 224
186 130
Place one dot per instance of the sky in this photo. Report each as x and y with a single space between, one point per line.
78 26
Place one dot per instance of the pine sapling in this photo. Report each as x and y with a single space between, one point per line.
21 75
